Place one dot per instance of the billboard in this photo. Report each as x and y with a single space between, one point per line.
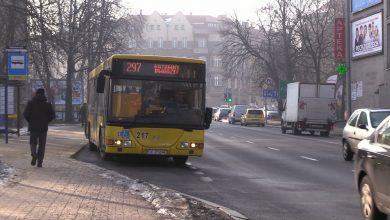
358 5
367 35
58 89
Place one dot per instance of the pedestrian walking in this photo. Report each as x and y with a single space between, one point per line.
38 114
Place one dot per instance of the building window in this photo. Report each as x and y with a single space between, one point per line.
132 43
235 83
229 83
176 27
217 61
151 27
150 43
201 43
180 44
218 80
174 43
184 42
160 42
182 27
158 27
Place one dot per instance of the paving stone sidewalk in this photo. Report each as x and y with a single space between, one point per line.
68 189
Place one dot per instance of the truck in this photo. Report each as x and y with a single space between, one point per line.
309 107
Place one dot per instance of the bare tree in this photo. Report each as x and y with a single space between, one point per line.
315 32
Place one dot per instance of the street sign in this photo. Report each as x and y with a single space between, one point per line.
283 89
17 63
341 68
270 93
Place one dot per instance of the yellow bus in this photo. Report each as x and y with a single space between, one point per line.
147 105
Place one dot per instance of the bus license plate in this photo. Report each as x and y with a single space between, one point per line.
156 152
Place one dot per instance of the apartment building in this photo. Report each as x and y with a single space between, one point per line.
194 36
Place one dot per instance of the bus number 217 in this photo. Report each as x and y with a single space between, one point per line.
142 135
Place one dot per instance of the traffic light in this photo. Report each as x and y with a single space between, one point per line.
225 97
229 97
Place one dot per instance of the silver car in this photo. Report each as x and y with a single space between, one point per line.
359 126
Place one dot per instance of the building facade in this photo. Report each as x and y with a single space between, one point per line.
194 36
369 53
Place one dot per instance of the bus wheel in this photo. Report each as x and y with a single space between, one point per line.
91 146
105 156
180 160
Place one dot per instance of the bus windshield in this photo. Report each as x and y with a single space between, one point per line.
157 102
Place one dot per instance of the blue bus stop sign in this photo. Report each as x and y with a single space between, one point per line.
17 64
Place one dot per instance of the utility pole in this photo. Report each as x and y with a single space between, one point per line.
348 75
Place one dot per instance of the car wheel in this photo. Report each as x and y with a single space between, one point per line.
282 127
369 209
347 151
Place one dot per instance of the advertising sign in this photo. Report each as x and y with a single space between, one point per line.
339 38
358 5
367 35
58 89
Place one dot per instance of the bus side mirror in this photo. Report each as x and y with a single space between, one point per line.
208 117
101 81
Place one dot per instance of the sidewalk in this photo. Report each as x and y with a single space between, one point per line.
68 189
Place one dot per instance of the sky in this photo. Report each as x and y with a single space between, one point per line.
245 9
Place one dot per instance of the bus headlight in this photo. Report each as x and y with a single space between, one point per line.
184 144
118 142
191 145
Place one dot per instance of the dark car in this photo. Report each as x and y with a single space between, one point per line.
236 113
222 113
372 172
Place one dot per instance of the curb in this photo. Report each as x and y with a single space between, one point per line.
234 214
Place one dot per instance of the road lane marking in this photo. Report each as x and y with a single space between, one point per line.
232 137
199 173
206 179
250 142
309 158
275 149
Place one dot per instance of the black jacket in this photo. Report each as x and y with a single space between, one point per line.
38 113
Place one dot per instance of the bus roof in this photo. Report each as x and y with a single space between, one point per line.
107 62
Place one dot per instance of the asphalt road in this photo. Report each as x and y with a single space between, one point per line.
258 172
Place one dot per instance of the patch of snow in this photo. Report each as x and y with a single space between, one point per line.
167 202
6 172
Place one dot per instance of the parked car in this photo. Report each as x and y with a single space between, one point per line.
372 172
273 114
253 117
236 112
222 113
359 126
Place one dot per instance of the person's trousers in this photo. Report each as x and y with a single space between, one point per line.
38 138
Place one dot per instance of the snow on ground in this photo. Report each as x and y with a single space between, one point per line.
6 172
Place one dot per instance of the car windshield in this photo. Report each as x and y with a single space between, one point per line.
240 109
224 110
157 102
377 117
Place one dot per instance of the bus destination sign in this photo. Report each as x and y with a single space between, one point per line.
154 68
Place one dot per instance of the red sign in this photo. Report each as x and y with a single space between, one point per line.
170 69
339 38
